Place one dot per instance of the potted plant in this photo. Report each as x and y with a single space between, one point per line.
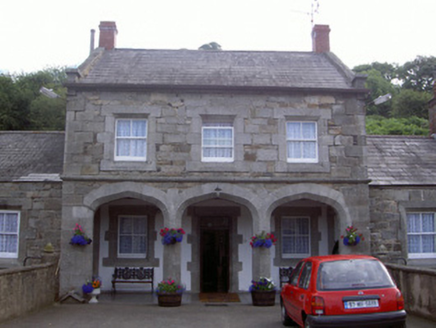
96 284
351 237
169 293
263 292
92 288
79 237
171 236
263 240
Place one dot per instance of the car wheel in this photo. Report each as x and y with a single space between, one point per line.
286 320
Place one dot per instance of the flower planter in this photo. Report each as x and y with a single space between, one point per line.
169 299
348 243
94 295
263 298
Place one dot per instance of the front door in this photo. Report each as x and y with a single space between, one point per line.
214 259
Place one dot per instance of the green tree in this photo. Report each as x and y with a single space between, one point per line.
23 107
210 46
418 74
409 103
379 86
13 105
388 71
378 125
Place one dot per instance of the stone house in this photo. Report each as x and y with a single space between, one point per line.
224 144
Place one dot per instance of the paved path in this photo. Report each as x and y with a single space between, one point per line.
129 312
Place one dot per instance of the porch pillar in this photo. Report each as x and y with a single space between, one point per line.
261 262
261 256
172 254
75 261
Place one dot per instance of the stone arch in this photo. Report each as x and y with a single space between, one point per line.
110 192
311 191
229 192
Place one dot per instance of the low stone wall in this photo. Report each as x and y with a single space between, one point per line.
418 286
27 289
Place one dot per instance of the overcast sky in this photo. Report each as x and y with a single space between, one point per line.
36 34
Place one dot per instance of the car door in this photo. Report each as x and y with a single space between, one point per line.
289 291
302 294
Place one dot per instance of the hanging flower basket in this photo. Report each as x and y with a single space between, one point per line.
171 236
79 237
351 237
263 240
347 241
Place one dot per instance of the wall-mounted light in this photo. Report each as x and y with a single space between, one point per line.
217 191
48 93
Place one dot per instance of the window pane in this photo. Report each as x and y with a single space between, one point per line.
309 131
428 244
413 222
8 243
428 222
123 128
125 244
138 148
293 130
126 226
294 149
139 128
414 243
309 149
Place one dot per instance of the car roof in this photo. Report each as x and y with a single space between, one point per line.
329 258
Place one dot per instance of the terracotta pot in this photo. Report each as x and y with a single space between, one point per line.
263 298
169 300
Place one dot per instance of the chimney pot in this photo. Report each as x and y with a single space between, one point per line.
108 35
320 38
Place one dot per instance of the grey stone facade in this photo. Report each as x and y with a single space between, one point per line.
174 179
39 205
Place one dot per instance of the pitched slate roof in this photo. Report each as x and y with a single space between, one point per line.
34 155
401 160
224 69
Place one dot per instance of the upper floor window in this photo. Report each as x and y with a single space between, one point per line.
295 237
9 233
131 140
132 236
217 142
421 234
302 142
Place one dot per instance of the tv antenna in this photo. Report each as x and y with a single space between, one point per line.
313 11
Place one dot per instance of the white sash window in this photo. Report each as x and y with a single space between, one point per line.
9 234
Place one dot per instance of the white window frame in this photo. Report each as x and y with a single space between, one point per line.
302 140
217 126
133 255
17 234
130 158
420 233
295 255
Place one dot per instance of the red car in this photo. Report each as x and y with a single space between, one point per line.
342 291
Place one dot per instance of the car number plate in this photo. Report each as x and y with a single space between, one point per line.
361 304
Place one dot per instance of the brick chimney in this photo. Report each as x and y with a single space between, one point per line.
108 35
320 38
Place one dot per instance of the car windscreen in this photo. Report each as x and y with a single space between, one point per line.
353 274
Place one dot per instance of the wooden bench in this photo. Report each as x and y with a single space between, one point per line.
285 273
132 275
